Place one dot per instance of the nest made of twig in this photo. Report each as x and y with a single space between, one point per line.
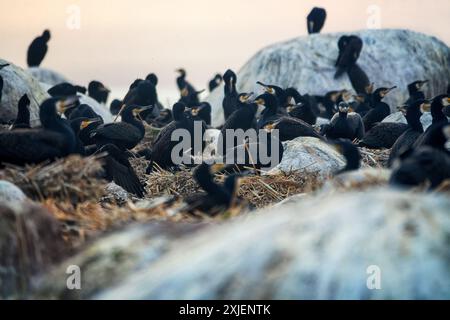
74 179
377 158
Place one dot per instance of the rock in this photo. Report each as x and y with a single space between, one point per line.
361 179
17 82
47 76
115 194
10 194
310 155
30 242
389 57
425 119
100 109
323 247
110 259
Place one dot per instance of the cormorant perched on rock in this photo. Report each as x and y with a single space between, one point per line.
415 129
163 145
202 112
415 91
349 50
118 169
54 140
82 111
38 49
383 135
350 153
125 134
438 105
98 91
230 98
218 198
302 108
23 114
380 109
422 166
242 118
115 106
65 89
344 125
315 20
214 82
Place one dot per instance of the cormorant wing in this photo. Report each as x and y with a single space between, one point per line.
117 131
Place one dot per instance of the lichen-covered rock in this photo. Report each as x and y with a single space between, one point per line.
389 57
47 76
10 194
16 83
333 247
30 242
361 179
309 155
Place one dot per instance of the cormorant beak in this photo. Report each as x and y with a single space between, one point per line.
260 101
66 104
246 97
198 92
424 82
389 90
139 110
216 167
194 111
425 107
267 88
86 123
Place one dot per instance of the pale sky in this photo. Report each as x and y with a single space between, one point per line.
119 41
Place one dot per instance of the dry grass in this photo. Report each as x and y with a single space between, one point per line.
376 158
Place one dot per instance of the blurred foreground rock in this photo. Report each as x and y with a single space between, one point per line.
318 248
389 57
16 83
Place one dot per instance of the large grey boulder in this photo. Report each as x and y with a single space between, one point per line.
47 76
17 82
389 57
425 119
309 155
331 247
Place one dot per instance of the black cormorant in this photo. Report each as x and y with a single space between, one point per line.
125 134
349 50
82 111
98 91
315 20
38 49
328 104
350 153
118 169
23 114
83 127
279 93
406 140
142 93
344 126
214 82
302 108
115 106
415 91
65 89
154 79
230 99
383 135
217 198
188 94
54 140
380 109
202 112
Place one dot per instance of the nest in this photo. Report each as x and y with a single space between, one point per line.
377 158
74 179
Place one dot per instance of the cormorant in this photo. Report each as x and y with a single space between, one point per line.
115 106
214 82
154 79
315 20
328 101
380 109
349 50
23 114
383 135
242 118
118 169
415 91
289 127
163 145
98 91
279 93
350 153
142 93
82 111
358 78
38 49
344 125
302 108
230 99
83 127
54 140
189 96
218 198
202 112
415 129
421 166
125 134
438 105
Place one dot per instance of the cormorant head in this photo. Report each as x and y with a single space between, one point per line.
245 97
152 78
416 85
267 100
182 72
350 152
382 92
115 106
229 77
343 107
98 91
53 107
218 78
146 93
135 83
46 35
178 110
272 89
291 93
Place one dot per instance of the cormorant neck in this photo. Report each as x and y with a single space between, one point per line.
129 118
229 88
23 115
343 115
414 121
436 112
